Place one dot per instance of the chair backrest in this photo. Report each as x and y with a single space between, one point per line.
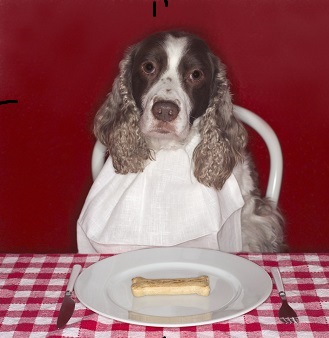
97 159
273 146
252 120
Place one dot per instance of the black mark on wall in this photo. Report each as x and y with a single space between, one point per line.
166 2
8 101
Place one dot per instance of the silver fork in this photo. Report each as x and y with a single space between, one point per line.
286 313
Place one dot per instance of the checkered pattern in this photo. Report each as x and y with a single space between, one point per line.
32 288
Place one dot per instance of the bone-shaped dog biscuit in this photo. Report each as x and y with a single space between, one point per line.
176 286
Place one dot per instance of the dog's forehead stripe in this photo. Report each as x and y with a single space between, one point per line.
175 48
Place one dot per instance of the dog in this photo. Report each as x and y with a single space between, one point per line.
170 88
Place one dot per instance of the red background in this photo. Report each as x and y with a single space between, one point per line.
59 58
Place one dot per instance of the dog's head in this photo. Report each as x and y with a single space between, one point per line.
172 81
166 82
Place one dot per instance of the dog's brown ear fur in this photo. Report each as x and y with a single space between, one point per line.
223 138
116 124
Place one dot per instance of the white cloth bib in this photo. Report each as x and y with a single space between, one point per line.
162 206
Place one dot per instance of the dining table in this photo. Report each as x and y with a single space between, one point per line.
32 287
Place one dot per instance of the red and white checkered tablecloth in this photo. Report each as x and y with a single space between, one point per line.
32 288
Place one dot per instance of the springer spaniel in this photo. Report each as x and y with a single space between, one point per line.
170 88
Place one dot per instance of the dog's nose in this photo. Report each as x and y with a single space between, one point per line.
165 111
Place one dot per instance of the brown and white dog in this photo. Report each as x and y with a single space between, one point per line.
166 83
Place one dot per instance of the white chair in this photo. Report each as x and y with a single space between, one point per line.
273 146
247 117
97 159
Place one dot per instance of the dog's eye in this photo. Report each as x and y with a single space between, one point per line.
148 67
196 75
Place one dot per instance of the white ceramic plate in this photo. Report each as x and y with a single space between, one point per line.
237 286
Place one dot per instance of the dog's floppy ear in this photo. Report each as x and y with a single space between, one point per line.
223 137
116 123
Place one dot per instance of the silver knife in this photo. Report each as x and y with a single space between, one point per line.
68 304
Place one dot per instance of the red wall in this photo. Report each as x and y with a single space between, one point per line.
58 59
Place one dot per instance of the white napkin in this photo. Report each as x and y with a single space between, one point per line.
162 206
